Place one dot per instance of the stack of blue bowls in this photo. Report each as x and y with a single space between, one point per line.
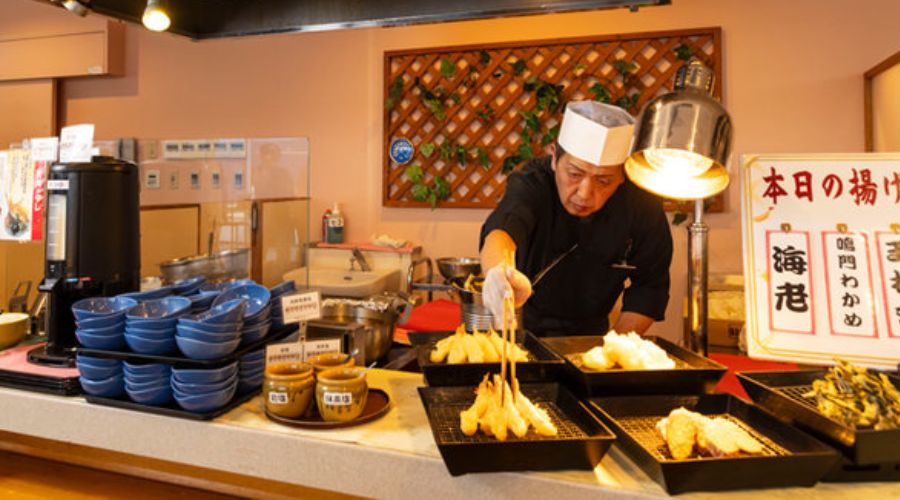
251 370
156 293
100 377
204 390
188 286
100 321
283 288
150 325
256 317
214 333
148 384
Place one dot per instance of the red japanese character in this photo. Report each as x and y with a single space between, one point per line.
803 185
893 183
831 183
863 190
774 189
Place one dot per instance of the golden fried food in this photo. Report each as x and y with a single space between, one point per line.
855 397
475 347
497 412
685 432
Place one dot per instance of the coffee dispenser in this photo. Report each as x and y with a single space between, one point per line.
92 244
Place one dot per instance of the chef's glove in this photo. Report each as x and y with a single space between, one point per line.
502 281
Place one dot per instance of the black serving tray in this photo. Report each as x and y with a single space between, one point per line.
171 408
781 393
59 386
693 374
180 361
581 443
791 457
542 366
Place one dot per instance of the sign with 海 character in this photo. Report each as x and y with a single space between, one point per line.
822 257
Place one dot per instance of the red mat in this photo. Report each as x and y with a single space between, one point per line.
443 315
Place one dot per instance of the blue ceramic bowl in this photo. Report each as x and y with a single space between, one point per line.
251 370
203 375
96 307
165 308
106 331
254 333
198 349
143 345
159 369
105 388
213 337
151 324
203 299
227 311
188 286
236 283
97 362
260 317
257 297
202 403
197 389
94 372
106 342
213 287
255 377
283 288
143 384
206 326
246 364
255 355
144 381
117 319
150 334
156 293
154 396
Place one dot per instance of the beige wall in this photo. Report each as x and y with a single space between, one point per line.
793 82
886 110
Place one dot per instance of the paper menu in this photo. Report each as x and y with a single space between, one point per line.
23 178
822 257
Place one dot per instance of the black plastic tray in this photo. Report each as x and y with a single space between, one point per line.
182 361
581 443
693 374
543 365
791 457
172 409
60 386
781 393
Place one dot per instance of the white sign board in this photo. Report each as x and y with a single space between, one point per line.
822 257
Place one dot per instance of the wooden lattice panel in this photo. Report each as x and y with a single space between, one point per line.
496 76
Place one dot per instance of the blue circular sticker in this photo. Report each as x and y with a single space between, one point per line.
401 151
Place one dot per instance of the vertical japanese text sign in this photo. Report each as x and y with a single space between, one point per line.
822 257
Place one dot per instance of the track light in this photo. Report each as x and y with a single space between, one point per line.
155 16
76 6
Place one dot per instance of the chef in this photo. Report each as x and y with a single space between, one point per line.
582 234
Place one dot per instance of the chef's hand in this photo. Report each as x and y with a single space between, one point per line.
502 281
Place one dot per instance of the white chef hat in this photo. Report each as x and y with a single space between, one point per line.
597 133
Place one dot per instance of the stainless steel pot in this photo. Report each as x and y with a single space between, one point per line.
221 266
379 324
458 267
473 313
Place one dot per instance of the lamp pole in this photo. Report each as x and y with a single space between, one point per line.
698 253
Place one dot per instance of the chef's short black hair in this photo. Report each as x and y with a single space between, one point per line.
560 151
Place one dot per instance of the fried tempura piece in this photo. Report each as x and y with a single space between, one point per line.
536 416
680 435
488 352
442 349
596 359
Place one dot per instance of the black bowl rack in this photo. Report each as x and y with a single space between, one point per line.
179 361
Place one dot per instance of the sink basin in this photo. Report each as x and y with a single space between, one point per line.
344 283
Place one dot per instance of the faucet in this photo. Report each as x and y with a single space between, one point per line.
360 259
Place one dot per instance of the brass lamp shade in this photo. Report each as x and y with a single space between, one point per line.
682 140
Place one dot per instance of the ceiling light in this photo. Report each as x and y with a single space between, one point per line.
155 16
76 6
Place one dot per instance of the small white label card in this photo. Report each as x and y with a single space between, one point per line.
301 307
338 398
75 143
44 149
278 398
291 352
322 346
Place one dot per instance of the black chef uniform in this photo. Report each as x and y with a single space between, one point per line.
628 238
